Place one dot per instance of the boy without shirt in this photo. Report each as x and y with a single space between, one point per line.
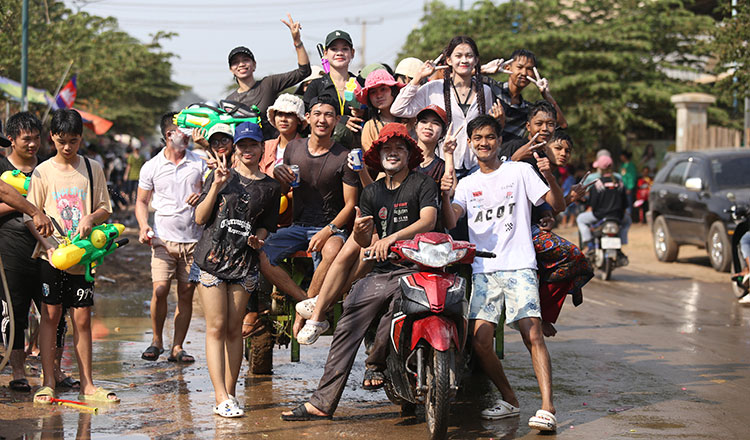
497 200
78 201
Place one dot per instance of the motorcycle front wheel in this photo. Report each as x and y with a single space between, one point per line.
438 401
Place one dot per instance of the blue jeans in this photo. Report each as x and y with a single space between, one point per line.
291 239
587 219
745 245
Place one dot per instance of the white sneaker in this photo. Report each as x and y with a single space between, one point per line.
745 299
306 308
311 331
502 410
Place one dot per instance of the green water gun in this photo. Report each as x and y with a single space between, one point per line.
206 116
89 251
17 180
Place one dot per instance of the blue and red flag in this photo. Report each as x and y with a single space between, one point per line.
67 95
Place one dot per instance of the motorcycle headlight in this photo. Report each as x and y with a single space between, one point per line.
611 228
435 255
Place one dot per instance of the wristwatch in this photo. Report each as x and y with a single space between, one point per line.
335 229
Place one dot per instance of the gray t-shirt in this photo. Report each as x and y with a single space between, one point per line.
264 92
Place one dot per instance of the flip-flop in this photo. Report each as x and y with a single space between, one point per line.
69 382
100 396
543 421
300 414
44 392
20 385
373 375
152 353
181 357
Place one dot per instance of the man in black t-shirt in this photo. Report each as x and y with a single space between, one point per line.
324 201
17 243
396 207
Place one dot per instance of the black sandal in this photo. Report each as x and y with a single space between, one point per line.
152 353
373 375
69 382
20 385
300 414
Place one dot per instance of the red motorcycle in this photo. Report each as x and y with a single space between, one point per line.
429 327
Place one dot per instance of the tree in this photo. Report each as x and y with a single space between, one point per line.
732 46
607 60
119 78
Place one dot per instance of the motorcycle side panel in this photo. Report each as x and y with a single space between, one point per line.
435 287
437 331
397 324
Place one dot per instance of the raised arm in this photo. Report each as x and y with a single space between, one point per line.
294 29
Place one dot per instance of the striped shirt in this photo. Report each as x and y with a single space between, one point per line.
515 114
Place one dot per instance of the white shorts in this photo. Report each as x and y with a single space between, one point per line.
514 291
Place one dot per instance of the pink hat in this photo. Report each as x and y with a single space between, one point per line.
376 78
603 162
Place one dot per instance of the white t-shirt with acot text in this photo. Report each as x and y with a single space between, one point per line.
498 206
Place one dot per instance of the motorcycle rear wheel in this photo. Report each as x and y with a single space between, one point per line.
438 401
607 267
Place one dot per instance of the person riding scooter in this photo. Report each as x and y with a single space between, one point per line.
607 200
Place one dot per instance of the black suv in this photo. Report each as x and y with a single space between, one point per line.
688 199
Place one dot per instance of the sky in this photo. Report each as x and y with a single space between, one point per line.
209 29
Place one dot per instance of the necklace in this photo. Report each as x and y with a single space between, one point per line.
465 102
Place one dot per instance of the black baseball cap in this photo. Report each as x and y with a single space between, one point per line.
338 35
238 50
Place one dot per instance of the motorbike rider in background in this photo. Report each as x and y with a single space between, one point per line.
607 199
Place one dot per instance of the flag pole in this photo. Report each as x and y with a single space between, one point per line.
62 80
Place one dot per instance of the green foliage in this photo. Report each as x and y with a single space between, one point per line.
119 78
606 59
732 46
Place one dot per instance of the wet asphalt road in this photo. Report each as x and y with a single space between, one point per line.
645 356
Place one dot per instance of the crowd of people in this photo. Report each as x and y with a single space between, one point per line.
348 164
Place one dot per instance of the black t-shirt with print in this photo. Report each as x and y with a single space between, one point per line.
394 209
242 207
435 170
320 195
16 242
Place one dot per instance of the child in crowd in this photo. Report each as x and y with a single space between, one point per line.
72 190
238 207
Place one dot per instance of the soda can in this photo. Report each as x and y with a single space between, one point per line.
295 170
150 235
356 157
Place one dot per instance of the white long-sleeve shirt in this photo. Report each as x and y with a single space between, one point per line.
411 99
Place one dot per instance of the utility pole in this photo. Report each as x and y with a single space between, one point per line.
363 45
25 55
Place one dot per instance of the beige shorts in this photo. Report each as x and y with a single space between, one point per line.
170 260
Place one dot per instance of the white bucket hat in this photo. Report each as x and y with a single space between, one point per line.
287 103
408 67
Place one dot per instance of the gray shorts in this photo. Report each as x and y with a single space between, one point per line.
515 291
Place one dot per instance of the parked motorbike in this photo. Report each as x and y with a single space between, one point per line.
741 216
606 254
429 327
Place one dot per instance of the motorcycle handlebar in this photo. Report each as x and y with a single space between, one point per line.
483 254
372 257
